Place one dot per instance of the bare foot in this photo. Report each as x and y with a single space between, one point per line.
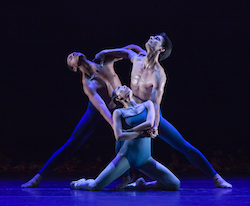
34 182
220 182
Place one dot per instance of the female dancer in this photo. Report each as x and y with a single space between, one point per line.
132 127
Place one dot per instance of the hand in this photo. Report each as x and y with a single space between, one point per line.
153 132
99 57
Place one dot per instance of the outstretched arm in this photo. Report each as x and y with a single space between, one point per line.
117 53
136 48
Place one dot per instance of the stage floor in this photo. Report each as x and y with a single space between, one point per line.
56 191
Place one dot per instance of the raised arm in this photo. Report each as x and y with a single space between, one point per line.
135 48
117 53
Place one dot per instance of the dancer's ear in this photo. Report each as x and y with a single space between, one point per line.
162 49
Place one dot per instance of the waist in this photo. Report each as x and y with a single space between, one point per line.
142 100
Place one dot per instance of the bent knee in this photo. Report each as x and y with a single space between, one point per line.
173 186
176 186
170 186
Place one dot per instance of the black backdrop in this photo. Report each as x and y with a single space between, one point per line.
207 96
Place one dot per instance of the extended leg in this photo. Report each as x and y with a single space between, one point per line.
114 170
170 135
84 128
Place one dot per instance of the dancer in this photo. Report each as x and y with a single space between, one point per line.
98 84
129 123
148 81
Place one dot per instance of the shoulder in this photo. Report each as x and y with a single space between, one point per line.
148 104
117 113
160 75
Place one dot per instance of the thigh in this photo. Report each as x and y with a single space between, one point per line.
159 172
115 169
87 124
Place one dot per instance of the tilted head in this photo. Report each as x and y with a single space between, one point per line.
161 43
74 60
121 95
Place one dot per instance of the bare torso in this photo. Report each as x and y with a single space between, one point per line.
103 81
109 76
144 80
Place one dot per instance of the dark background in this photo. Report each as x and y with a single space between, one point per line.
207 96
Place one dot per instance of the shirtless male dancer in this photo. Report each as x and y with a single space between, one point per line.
98 84
148 81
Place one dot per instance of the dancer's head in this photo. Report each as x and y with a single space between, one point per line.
160 43
121 95
167 44
74 60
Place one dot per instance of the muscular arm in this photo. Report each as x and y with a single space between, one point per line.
136 48
132 133
117 53
156 97
99 104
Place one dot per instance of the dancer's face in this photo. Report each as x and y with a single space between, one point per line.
73 60
155 43
124 92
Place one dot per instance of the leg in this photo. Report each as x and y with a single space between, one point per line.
170 135
84 128
114 170
126 176
165 179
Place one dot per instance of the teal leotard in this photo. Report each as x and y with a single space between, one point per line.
137 150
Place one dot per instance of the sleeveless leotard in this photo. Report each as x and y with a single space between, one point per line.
137 150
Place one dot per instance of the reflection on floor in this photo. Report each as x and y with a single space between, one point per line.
56 191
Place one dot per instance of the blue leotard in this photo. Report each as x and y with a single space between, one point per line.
134 153
137 150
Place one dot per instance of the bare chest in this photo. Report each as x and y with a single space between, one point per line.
142 78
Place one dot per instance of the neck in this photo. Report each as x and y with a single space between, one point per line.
87 67
131 103
151 60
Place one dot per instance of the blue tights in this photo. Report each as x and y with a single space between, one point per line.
92 118
169 134
89 121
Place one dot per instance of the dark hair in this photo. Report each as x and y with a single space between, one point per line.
114 96
81 57
167 44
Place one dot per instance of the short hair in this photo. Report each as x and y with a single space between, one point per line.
167 44
81 57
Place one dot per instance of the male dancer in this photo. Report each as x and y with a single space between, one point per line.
98 84
148 80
